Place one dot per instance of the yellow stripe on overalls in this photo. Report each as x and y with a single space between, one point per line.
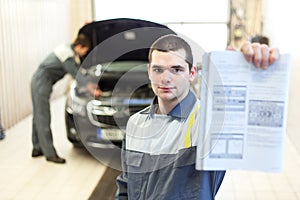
187 141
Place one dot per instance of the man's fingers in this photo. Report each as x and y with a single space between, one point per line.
264 56
257 57
230 48
94 89
97 92
274 55
247 51
260 54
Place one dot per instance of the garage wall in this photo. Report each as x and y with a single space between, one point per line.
29 30
246 20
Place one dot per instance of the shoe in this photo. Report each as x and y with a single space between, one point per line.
2 135
56 159
36 153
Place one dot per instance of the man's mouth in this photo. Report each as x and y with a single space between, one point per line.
165 89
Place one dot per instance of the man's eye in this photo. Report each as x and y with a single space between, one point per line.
158 70
176 70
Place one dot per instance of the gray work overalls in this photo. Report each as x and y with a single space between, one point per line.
52 69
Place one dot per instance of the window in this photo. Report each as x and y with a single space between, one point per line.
205 22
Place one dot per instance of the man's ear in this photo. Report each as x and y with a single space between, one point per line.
193 72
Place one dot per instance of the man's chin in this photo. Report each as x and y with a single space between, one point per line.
167 97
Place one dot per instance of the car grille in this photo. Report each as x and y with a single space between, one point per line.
111 120
119 118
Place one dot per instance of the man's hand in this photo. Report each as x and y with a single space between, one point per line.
94 89
260 55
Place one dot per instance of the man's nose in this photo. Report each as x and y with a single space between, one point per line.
166 76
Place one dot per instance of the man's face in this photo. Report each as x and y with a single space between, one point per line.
81 50
170 76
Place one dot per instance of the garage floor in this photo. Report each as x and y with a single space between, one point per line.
23 177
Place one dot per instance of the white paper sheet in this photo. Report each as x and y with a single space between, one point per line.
243 113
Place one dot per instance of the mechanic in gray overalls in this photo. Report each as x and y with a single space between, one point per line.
64 59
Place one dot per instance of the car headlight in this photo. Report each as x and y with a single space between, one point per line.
95 107
75 105
108 111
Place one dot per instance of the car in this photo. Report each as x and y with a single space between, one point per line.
118 64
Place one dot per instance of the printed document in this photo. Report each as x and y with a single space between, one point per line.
243 113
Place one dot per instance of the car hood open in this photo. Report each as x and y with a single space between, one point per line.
121 39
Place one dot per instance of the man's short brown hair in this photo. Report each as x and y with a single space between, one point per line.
172 42
82 40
